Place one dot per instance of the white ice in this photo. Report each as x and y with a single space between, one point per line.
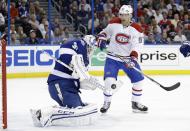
168 111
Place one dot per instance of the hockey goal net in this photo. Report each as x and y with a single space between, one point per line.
3 85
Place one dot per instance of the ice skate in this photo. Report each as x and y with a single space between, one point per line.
139 108
105 107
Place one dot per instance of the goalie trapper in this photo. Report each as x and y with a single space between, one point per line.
139 108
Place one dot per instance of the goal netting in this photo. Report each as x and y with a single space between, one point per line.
3 84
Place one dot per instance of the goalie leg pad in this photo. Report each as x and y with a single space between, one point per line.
41 117
63 116
36 115
79 116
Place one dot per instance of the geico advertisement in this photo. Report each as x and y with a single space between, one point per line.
30 58
159 56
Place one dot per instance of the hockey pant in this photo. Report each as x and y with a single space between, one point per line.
111 70
66 93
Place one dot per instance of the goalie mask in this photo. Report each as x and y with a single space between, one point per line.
185 48
91 43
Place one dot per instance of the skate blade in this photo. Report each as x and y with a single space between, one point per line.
103 114
138 111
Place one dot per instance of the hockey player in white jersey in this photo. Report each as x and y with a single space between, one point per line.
126 40
64 87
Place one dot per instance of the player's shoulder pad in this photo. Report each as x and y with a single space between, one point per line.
115 20
137 27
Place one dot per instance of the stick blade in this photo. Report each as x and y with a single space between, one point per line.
170 88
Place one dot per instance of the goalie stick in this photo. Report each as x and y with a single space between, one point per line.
167 88
100 86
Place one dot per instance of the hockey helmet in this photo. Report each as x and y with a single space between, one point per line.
126 9
185 48
90 40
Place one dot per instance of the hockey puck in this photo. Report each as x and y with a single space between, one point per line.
113 86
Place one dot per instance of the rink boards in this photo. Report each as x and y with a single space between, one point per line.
29 61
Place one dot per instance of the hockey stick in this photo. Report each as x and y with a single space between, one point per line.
92 81
167 88
55 59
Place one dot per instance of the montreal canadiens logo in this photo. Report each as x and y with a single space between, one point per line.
122 38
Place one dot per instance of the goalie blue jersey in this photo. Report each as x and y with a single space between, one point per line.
66 51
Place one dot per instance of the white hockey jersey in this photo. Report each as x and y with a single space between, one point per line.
124 41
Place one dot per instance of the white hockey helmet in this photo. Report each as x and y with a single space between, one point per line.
91 43
126 9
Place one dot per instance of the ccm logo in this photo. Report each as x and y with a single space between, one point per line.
122 38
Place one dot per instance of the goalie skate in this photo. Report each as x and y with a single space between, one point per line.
105 107
36 115
139 108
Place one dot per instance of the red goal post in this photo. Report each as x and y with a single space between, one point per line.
3 85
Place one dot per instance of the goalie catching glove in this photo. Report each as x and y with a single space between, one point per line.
81 72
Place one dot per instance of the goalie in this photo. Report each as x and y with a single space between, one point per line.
64 85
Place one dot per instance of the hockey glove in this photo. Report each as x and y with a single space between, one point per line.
129 63
185 50
102 44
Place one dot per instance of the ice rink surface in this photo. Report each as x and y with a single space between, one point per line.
168 111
